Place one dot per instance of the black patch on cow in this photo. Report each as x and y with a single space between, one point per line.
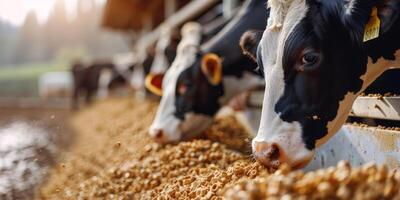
312 93
200 96
389 42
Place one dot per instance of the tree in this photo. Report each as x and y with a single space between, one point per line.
7 40
28 44
55 33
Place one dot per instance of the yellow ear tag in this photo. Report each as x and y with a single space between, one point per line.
372 28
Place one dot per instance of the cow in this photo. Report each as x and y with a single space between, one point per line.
98 77
165 48
317 56
196 86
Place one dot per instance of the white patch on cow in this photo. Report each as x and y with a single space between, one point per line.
272 128
55 84
122 62
165 119
104 82
160 62
374 70
279 9
350 6
236 85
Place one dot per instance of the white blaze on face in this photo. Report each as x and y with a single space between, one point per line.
165 119
272 128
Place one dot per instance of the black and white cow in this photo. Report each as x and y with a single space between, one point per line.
317 57
100 76
195 87
165 49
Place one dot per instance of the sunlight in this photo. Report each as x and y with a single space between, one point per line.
15 11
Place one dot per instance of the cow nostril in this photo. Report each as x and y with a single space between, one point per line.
274 153
159 134
269 155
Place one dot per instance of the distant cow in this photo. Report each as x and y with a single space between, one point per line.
55 84
317 57
202 79
96 78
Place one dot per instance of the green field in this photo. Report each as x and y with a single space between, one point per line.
21 81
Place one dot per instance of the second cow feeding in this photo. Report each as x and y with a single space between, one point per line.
316 58
204 77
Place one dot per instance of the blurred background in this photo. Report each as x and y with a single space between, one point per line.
47 35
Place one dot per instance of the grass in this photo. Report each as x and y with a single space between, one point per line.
29 71
22 80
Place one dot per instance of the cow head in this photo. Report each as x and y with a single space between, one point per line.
175 121
195 92
315 65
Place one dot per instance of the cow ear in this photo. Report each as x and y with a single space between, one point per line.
388 14
357 13
153 83
211 66
249 43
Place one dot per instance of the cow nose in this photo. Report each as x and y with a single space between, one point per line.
269 154
158 135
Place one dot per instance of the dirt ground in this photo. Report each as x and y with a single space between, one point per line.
30 139
55 121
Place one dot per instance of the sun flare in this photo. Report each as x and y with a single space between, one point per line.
15 11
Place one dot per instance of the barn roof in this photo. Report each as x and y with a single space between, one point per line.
132 14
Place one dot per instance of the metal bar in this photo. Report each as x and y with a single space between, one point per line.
170 7
190 11
359 145
229 7
377 107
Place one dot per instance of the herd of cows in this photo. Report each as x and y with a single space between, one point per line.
313 57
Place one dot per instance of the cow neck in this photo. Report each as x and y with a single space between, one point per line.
383 52
252 15
386 44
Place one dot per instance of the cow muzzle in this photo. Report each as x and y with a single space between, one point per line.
273 155
164 135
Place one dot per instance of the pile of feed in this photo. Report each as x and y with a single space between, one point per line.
105 135
185 171
113 158
340 182
112 149
229 132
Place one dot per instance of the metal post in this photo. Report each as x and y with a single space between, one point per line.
170 7
228 6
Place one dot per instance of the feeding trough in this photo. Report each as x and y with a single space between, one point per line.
360 144
363 144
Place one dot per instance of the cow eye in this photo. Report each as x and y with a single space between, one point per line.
310 58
